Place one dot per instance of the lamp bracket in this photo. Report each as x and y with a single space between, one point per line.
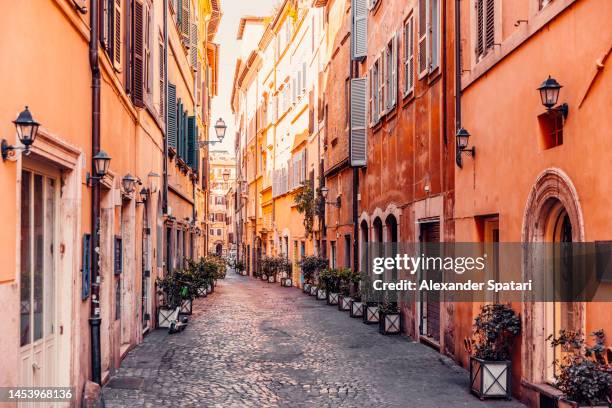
9 151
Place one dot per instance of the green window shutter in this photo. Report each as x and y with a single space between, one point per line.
171 131
179 121
191 141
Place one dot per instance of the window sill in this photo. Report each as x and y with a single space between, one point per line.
407 98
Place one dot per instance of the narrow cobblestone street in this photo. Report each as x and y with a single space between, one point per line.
253 344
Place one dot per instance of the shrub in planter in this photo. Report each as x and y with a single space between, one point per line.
585 375
329 281
389 318
306 288
239 265
311 265
171 292
347 282
313 290
495 328
356 306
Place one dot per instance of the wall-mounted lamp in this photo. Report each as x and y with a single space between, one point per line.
325 192
153 186
27 129
129 183
101 162
220 129
549 93
462 140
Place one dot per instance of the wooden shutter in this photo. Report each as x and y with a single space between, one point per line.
479 28
138 54
394 66
382 77
179 127
117 32
193 51
191 142
186 19
171 131
105 31
489 24
370 99
423 49
358 130
161 76
359 38
409 55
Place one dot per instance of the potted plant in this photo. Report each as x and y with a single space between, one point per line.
285 270
170 291
347 281
310 266
389 318
495 328
240 267
356 306
584 374
331 280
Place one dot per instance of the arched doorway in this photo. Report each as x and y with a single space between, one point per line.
553 217
219 249
365 238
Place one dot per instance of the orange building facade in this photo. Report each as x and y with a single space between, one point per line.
47 292
535 172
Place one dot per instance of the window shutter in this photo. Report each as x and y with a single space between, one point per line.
423 27
138 55
490 24
117 32
105 31
161 76
172 123
194 46
358 132
196 156
409 56
191 142
370 100
179 127
394 64
185 150
382 75
186 19
359 36
479 28
434 34
178 7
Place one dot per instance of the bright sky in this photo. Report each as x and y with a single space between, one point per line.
231 11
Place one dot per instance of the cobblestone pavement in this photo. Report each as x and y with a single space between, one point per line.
254 344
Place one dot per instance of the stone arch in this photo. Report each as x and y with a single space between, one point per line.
553 193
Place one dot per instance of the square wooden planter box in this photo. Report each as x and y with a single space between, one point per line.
344 303
166 316
321 294
490 379
186 307
264 277
286 282
332 299
370 313
389 323
306 288
313 290
271 279
356 308
203 291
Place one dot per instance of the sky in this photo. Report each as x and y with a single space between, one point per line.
231 11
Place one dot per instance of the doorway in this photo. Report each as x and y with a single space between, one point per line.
38 260
429 323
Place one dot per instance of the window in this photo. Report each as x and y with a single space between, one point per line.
423 57
374 94
429 36
390 80
161 77
485 27
409 55
551 129
434 39
359 38
333 254
346 100
347 251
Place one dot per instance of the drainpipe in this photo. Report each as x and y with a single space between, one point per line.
165 161
458 72
444 80
94 319
354 73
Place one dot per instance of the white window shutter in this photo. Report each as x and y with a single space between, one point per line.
359 37
409 56
358 131
370 100
423 48
382 92
394 66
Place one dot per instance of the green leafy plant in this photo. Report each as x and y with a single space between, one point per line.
584 376
329 279
388 307
311 265
495 328
239 265
171 290
305 205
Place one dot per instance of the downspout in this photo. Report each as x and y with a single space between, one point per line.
458 73
94 319
444 79
165 136
354 73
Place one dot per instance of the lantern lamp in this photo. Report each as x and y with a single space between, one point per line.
27 129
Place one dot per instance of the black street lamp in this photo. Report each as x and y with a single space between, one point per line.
27 129
462 140
549 94
129 183
325 192
220 129
101 162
